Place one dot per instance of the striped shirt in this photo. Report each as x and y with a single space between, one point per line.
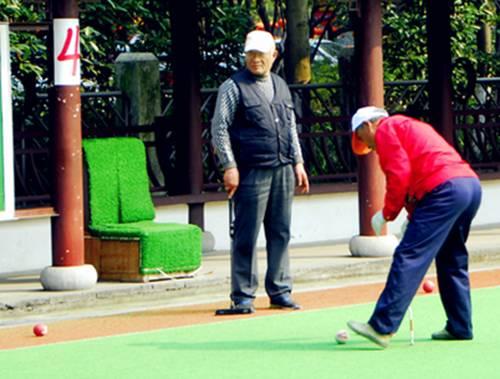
228 98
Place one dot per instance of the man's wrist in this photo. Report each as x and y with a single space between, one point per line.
383 215
229 165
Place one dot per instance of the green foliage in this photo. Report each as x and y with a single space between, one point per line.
29 53
404 42
16 10
405 37
323 72
223 30
112 27
28 50
109 27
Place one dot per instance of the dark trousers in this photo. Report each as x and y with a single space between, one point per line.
264 196
438 230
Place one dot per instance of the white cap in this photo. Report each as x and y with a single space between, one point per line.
259 40
366 114
362 115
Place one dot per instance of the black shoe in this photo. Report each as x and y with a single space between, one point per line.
284 302
245 305
445 335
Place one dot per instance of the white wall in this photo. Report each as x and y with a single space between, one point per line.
315 219
489 212
26 244
173 213
326 217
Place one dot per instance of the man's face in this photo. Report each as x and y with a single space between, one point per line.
366 133
259 63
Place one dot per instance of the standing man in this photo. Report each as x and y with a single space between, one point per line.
442 194
255 137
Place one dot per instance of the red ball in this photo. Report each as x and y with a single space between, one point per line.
40 330
428 286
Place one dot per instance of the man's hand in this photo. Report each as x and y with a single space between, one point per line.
231 181
302 180
378 222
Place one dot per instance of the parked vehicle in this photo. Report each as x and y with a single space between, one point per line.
324 56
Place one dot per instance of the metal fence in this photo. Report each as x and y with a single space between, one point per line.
323 116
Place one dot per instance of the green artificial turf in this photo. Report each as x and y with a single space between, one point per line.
121 207
171 247
118 181
290 345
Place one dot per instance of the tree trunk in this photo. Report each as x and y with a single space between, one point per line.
485 40
261 10
297 62
297 58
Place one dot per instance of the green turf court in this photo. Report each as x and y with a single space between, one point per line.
292 345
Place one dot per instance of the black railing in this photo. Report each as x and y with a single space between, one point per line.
103 113
323 117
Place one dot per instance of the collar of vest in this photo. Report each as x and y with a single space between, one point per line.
281 92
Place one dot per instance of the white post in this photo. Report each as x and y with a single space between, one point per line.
7 207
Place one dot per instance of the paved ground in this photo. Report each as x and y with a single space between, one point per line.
83 327
23 300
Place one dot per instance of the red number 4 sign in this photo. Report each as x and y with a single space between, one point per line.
65 54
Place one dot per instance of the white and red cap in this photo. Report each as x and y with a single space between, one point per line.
362 115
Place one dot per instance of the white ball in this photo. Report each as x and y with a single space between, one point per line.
342 336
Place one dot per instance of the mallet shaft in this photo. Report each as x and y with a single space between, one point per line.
412 326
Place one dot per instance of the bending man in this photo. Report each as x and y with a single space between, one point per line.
442 195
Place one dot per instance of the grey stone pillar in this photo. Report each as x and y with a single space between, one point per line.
137 75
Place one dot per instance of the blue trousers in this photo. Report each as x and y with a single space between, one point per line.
264 196
438 229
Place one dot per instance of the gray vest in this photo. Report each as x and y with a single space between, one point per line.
260 134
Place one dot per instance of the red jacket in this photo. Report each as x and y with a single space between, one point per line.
415 160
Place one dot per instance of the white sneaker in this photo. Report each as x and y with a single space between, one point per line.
366 330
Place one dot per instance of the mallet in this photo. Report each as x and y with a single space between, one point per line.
412 326
231 311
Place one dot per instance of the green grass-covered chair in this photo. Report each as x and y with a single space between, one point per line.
125 242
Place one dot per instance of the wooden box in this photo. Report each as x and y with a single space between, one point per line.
115 260
120 260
